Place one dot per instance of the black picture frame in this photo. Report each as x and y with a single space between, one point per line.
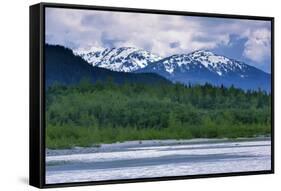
37 93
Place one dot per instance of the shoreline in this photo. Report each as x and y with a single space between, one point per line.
119 146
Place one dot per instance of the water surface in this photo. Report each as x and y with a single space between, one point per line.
156 159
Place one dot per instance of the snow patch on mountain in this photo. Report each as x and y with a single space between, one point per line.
216 63
124 59
176 61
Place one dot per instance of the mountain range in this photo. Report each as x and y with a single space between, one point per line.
198 67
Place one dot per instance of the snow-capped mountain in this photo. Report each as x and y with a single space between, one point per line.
200 60
219 64
124 59
198 67
204 66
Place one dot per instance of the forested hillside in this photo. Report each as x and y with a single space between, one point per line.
63 67
86 114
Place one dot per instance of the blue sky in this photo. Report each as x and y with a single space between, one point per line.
164 35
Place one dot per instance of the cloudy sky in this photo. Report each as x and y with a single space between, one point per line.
164 35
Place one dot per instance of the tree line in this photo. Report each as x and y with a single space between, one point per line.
92 113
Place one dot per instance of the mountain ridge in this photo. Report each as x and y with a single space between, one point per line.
63 67
123 59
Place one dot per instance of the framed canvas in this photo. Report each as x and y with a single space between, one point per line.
122 95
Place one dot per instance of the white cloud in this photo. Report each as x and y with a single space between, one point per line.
258 45
85 28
